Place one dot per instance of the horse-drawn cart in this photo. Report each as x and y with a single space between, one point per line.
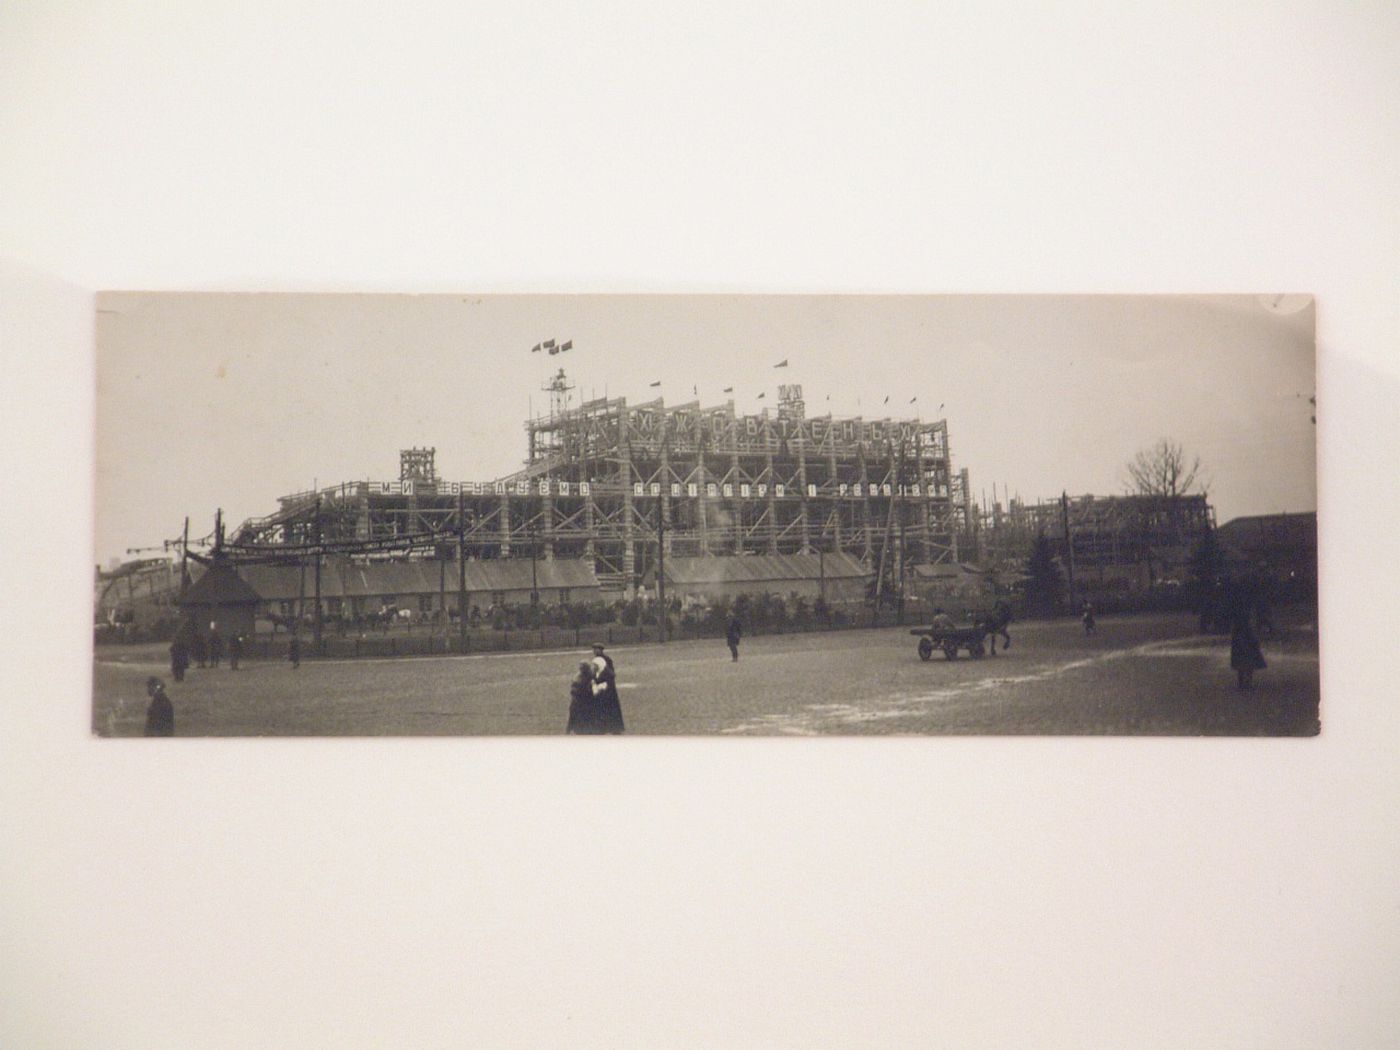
972 639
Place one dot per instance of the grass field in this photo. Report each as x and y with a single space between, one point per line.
1150 674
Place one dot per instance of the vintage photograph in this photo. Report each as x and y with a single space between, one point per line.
414 515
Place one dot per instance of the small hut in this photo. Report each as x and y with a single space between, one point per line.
220 599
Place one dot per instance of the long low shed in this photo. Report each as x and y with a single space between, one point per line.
839 578
353 589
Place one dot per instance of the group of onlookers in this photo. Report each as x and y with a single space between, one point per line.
204 652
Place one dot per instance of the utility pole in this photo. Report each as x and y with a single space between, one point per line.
442 551
316 532
461 572
661 567
903 549
184 556
534 570
1069 545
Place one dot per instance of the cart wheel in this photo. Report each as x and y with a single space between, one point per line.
977 650
950 650
925 648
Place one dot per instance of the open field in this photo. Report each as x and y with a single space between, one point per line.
1148 674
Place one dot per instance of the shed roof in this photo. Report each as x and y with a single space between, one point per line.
762 568
341 578
1270 530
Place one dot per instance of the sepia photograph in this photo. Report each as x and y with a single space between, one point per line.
801 515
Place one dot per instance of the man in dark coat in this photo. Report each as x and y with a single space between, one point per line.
732 633
216 646
235 651
605 690
199 649
179 658
585 712
160 715
294 651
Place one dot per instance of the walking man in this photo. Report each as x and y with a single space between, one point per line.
732 633
216 646
179 658
294 650
235 651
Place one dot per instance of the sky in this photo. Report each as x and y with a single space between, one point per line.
209 401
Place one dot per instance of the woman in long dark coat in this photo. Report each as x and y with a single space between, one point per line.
605 690
1245 655
584 712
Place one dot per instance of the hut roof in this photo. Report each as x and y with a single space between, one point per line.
220 584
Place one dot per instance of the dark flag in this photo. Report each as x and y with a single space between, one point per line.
729 390
695 390
657 383
566 346
553 350
535 349
782 363
759 398
548 344
913 399
887 399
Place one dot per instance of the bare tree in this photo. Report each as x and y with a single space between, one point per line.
1163 470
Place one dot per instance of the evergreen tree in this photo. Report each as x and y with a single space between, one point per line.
1045 588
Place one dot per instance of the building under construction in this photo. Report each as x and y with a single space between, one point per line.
1135 541
622 486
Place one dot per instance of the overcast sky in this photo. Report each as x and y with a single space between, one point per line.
214 400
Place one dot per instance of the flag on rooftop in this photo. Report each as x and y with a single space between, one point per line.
760 397
729 390
657 383
553 350
566 346
782 363
535 349
548 343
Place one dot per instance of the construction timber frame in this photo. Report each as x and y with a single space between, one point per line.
1098 533
611 482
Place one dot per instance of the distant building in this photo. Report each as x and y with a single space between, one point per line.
1282 546
1114 542
139 593
956 588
